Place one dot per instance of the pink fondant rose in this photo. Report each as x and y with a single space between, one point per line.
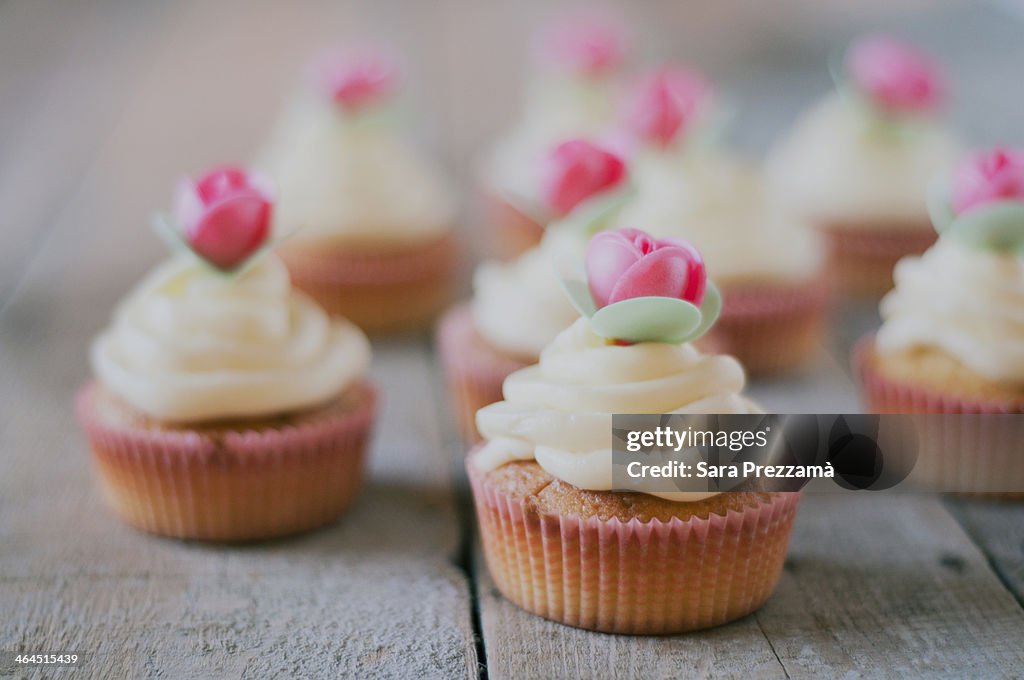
665 103
587 45
988 176
894 75
629 263
356 79
225 215
576 170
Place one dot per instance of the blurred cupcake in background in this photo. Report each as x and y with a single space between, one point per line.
572 94
858 164
558 541
518 307
226 405
768 262
952 340
367 224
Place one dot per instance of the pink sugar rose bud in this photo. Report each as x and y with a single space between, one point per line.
355 79
225 215
665 103
895 75
586 45
629 263
987 176
576 170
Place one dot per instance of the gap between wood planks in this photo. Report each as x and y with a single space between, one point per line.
997 528
455 448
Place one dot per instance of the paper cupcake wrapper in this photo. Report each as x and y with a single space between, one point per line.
980 453
861 259
345 266
633 577
380 292
235 485
512 232
474 372
770 329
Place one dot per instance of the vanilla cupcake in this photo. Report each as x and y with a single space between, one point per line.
518 307
558 541
572 94
768 262
858 164
226 405
366 223
952 340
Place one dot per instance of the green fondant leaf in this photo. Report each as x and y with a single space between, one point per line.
835 62
527 207
598 214
169 232
712 128
710 308
579 296
648 319
939 208
997 226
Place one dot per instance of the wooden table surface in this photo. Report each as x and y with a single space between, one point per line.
102 107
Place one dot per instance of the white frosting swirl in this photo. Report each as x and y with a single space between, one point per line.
838 165
190 345
558 107
352 179
519 306
968 303
719 204
559 412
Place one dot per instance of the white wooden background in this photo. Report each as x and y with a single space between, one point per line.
103 105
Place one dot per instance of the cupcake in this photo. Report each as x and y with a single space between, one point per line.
571 95
768 262
366 224
950 342
559 542
226 405
518 307
858 164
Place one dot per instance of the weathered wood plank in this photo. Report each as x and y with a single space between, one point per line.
874 586
376 596
998 529
890 586
65 71
520 645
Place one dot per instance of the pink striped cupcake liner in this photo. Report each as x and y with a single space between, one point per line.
861 259
770 328
633 577
382 291
231 484
980 453
474 371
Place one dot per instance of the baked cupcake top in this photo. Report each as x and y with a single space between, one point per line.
864 155
645 301
345 172
572 94
965 295
686 186
519 306
217 331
